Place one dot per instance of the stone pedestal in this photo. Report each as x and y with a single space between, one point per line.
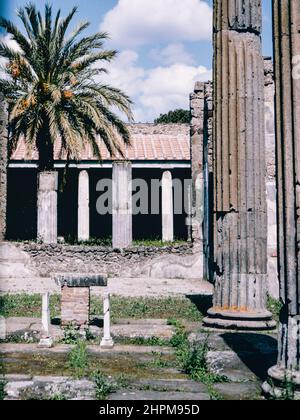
75 299
240 213
3 166
122 205
287 73
167 208
83 207
47 207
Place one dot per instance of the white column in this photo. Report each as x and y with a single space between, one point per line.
46 339
83 206
47 207
107 341
167 208
122 205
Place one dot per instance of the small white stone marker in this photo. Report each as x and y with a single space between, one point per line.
46 340
107 341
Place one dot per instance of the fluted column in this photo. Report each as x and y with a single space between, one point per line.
3 166
240 213
83 207
287 73
122 204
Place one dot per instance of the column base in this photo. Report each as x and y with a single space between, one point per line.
107 344
46 343
234 320
282 384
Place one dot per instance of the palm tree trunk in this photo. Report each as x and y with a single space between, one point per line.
47 187
45 147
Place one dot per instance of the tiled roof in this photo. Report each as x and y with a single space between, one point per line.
148 142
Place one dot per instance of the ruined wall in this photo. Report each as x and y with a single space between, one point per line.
178 261
148 129
3 167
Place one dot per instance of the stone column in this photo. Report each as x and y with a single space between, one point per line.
240 214
122 204
46 339
83 207
107 341
167 208
3 166
287 74
47 207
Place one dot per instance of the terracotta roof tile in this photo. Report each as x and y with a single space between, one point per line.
149 143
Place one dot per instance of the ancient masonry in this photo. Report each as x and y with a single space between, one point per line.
3 166
287 52
240 209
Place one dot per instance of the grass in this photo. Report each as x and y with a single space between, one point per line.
142 341
22 305
157 243
155 308
107 242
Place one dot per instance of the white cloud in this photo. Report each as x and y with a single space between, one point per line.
134 23
172 53
157 90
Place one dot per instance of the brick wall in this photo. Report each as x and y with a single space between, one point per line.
75 305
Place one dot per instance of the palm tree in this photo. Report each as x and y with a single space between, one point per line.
52 82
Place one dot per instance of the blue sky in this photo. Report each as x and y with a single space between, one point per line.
164 46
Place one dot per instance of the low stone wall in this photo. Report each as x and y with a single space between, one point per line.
178 261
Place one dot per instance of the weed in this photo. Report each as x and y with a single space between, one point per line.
288 390
192 358
274 306
103 386
71 334
78 360
2 390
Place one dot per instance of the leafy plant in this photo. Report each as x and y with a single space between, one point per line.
71 334
2 390
103 386
78 360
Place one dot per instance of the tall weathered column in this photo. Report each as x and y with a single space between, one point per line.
287 73
167 207
122 204
240 214
83 206
47 207
3 166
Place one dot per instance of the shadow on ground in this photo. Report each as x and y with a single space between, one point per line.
202 302
257 351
